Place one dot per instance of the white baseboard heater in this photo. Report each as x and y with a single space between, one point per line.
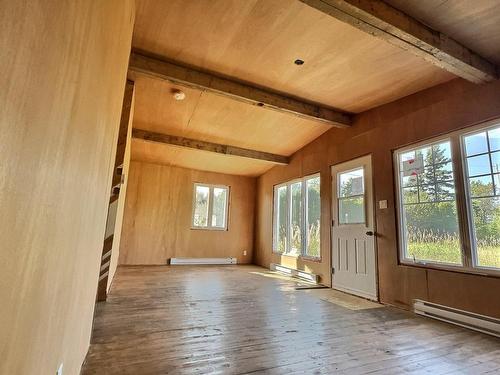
467 319
307 276
201 261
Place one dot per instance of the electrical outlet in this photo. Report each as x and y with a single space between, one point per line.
382 204
60 370
244 252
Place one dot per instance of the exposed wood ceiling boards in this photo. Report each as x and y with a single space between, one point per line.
383 21
204 81
208 146
475 23
159 153
213 118
257 41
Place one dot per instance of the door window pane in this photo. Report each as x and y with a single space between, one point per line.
484 198
200 218
352 210
296 219
351 197
313 217
219 208
429 218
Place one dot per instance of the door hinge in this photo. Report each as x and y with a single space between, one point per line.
333 222
333 270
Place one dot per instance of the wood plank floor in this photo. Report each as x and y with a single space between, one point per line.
238 320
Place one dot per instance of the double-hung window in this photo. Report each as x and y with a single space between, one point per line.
449 200
210 206
297 216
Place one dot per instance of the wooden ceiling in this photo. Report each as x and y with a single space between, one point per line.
475 23
257 41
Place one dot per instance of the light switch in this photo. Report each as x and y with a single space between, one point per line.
382 204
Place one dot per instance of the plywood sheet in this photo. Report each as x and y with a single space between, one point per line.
194 159
214 118
476 24
157 221
258 40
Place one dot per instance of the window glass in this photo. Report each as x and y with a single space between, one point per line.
313 217
297 214
281 220
219 208
296 219
476 144
484 197
429 217
201 206
351 197
210 206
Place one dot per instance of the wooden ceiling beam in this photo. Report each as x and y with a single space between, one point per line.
208 146
386 22
204 81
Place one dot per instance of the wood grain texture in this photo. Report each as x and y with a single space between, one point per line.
218 148
64 68
163 154
238 320
475 24
208 82
157 221
212 118
379 19
451 106
121 199
257 41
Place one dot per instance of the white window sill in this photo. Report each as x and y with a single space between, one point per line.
480 271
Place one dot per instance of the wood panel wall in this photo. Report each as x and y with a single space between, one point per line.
157 221
64 67
115 251
450 106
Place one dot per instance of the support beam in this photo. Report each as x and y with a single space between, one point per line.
199 80
383 21
208 146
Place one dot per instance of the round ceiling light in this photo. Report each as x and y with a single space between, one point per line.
178 95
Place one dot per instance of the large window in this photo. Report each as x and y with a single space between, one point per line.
444 218
297 215
210 206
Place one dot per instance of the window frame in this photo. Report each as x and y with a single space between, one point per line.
464 216
304 201
211 188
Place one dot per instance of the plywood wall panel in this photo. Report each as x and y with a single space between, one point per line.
63 69
157 221
450 106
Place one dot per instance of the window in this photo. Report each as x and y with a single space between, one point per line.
443 219
297 215
210 206
351 197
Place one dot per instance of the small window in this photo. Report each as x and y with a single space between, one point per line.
351 197
296 221
210 207
482 168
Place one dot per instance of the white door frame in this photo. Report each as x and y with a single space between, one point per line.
367 159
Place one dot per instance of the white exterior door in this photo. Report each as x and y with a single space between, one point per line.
354 268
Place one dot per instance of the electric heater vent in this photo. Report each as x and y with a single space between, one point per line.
467 319
201 261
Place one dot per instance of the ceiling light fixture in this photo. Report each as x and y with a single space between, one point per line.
299 62
178 94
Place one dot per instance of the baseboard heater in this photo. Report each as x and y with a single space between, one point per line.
307 276
201 261
467 319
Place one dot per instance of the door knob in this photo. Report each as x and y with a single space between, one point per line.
370 233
